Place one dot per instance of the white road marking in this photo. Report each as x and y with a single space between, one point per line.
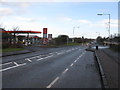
12 67
79 49
60 53
28 59
65 70
71 64
6 63
53 82
32 57
51 53
38 56
16 64
75 60
44 58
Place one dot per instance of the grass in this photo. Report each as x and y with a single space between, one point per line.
72 44
55 46
11 49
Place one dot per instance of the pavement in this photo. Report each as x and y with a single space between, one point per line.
109 65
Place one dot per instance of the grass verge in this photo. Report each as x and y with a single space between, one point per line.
11 49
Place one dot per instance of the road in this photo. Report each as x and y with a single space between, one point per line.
66 67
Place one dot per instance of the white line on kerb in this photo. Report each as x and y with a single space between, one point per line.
12 67
53 82
6 63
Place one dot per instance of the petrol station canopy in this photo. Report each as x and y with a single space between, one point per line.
21 32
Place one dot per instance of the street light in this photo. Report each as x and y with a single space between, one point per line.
109 21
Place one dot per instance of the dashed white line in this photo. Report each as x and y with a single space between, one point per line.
12 67
56 79
75 61
65 70
53 82
71 64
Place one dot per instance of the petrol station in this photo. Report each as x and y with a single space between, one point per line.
27 39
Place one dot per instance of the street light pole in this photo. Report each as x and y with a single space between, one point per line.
73 33
109 25
108 22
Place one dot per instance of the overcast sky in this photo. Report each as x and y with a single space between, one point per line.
61 17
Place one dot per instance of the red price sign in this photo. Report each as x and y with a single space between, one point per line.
44 30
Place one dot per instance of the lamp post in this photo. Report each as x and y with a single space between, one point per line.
108 22
73 32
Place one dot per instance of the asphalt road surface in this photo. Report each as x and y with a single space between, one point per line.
66 67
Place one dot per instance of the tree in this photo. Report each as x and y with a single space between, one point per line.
15 28
62 39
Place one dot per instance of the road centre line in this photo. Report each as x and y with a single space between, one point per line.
53 82
12 67
65 71
56 79
75 61
6 63
71 64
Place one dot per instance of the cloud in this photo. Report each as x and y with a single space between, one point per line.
25 19
10 3
60 0
113 22
83 21
6 11
65 19
24 4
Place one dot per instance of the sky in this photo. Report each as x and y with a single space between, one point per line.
61 17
